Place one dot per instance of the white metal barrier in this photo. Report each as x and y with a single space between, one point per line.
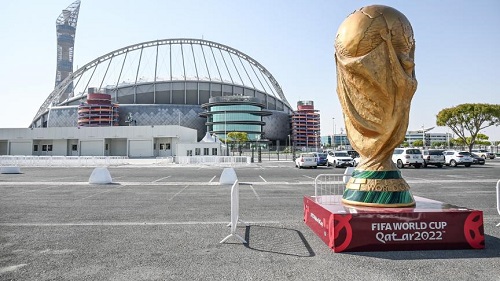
61 161
498 199
326 186
164 160
235 213
213 160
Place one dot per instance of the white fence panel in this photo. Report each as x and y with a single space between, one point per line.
327 187
61 161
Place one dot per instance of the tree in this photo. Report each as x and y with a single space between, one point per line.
437 144
238 137
418 143
469 118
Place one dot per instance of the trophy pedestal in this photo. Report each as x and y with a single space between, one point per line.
429 225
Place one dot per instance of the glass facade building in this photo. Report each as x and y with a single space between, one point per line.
235 114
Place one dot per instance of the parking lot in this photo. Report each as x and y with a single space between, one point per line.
165 223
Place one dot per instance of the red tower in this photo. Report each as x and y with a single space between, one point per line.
306 126
98 111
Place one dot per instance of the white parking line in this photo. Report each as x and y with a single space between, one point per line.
212 179
161 179
263 178
178 193
57 179
255 192
133 223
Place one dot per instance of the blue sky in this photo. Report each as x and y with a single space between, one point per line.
456 58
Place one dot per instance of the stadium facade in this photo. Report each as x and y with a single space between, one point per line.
167 82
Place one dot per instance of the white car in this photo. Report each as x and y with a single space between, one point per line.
433 157
455 158
484 153
407 157
306 160
339 159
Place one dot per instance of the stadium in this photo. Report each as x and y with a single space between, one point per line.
170 97
167 82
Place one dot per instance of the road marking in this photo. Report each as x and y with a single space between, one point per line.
161 179
61 178
11 268
212 179
255 192
131 223
308 177
178 193
263 178
106 191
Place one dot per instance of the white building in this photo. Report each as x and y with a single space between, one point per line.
131 141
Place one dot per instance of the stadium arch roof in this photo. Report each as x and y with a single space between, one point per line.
157 61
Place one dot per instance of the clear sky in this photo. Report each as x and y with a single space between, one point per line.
457 47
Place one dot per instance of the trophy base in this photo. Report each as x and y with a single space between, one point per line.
430 225
383 189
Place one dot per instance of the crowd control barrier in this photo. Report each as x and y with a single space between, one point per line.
235 216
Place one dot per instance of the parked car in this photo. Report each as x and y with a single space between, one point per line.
321 158
433 157
476 159
484 153
454 158
306 160
339 159
408 157
353 153
356 161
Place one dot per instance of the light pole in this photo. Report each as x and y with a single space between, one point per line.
423 136
289 145
333 135
316 140
341 137
225 133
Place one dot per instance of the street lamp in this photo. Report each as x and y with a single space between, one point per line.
333 135
341 136
316 140
289 145
423 136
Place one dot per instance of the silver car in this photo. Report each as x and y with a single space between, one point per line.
306 160
455 158
433 157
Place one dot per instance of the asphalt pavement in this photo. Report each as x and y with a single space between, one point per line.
165 222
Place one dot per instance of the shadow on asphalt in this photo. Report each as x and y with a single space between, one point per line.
491 250
283 241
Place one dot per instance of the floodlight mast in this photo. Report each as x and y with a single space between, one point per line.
66 29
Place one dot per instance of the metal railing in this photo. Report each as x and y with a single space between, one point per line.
328 187
61 161
212 160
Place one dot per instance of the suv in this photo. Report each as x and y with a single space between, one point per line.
407 157
339 159
454 158
484 153
433 157
306 160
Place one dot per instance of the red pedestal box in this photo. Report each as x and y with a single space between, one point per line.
430 225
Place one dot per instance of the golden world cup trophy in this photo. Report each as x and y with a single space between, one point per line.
374 52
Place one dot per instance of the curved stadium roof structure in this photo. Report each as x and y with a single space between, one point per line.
165 82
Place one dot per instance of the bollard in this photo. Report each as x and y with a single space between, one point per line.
100 175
